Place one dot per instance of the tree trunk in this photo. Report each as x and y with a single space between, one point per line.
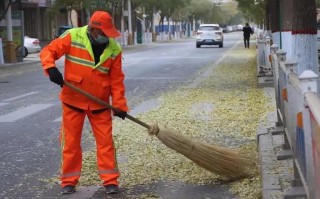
304 35
267 15
285 25
274 21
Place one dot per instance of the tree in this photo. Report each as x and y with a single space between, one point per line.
304 31
80 5
253 10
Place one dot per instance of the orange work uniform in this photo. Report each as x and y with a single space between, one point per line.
103 80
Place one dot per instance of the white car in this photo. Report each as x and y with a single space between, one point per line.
209 34
31 45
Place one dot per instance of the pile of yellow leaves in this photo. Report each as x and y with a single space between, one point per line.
232 107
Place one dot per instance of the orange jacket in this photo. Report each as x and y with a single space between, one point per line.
103 80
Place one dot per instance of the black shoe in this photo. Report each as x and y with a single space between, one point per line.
112 189
69 189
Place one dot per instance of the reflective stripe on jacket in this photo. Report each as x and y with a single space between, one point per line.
102 80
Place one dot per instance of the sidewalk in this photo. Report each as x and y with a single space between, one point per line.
29 60
222 106
276 174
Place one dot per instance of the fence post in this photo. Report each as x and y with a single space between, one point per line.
281 57
281 54
281 72
1 52
298 188
268 60
274 67
291 65
261 60
274 48
308 80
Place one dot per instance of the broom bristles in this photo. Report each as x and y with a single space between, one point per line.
222 161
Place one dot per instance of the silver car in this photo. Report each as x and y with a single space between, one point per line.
209 34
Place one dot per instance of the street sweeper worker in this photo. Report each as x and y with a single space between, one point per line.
93 64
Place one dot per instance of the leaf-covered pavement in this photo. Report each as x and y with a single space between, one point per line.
233 108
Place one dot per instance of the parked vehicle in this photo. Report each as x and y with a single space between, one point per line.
229 29
239 27
224 28
62 29
31 45
209 34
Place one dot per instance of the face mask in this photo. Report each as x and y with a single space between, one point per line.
101 39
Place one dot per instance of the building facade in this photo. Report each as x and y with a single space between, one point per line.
38 21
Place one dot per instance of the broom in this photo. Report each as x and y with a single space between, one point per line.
222 161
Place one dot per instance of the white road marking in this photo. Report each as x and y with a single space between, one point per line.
130 63
3 103
153 78
24 112
20 96
162 56
180 57
59 119
4 75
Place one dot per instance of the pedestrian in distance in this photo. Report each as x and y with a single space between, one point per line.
92 63
247 32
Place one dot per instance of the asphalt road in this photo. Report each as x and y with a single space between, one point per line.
30 110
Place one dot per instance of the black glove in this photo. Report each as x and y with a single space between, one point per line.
119 113
55 76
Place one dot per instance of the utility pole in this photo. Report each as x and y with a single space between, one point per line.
169 27
130 38
8 21
154 37
143 25
122 23
193 25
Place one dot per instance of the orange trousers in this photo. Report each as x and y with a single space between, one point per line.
70 139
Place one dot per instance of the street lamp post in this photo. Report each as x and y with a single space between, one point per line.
122 23
193 25
143 25
130 38
154 36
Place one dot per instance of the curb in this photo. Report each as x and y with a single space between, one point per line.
271 176
17 64
270 182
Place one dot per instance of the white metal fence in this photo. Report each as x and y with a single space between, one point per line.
298 108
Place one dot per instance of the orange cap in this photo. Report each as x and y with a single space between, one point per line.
103 21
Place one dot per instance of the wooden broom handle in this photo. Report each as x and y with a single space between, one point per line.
101 102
